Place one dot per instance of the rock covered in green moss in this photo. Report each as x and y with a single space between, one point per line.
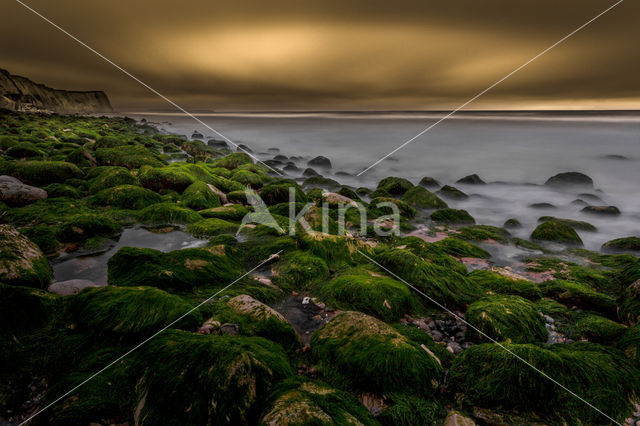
483 233
629 303
198 196
129 156
130 310
167 214
506 319
504 285
407 409
110 177
21 261
60 190
368 292
448 215
128 197
629 343
572 293
623 244
162 178
394 185
488 376
372 356
570 179
433 253
556 231
278 192
512 223
420 197
459 248
575 224
207 379
232 212
595 328
452 193
234 160
80 227
40 173
297 402
380 206
438 283
179 270
300 270
211 227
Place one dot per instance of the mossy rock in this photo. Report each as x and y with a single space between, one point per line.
512 223
254 318
276 193
488 376
299 270
556 231
320 182
334 250
110 177
595 328
506 319
167 214
234 212
234 160
432 253
454 216
500 284
368 292
459 248
438 283
163 178
571 293
127 197
629 303
452 193
623 244
21 261
406 410
629 343
379 206
420 197
247 177
25 150
129 156
207 379
198 196
575 224
483 233
395 185
44 236
211 227
298 401
133 311
57 190
238 197
373 356
179 270
40 173
83 226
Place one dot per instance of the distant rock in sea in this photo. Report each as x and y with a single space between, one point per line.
21 94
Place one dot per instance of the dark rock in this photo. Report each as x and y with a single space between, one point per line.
230 329
579 202
590 197
197 135
429 182
70 287
542 206
602 210
512 223
320 161
273 150
243 148
309 172
343 174
217 144
614 157
15 193
569 179
450 192
281 157
623 244
291 168
473 179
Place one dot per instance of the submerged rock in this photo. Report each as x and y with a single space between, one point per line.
420 197
320 161
429 182
602 210
554 230
623 244
70 287
21 261
452 216
15 193
569 179
473 179
448 191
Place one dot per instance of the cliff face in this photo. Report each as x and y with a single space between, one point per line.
21 94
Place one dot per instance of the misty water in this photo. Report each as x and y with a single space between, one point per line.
514 153
93 267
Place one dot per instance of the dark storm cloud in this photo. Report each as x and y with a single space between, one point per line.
331 54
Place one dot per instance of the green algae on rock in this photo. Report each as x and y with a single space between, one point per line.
500 284
506 319
127 197
394 185
448 215
623 244
556 231
300 270
21 261
420 197
210 227
211 379
167 214
373 356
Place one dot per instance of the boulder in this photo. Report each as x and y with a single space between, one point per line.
429 182
602 210
335 198
70 287
420 197
473 179
569 179
15 193
554 230
309 172
320 161
448 215
623 244
456 419
21 261
450 192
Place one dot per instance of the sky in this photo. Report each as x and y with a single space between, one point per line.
252 55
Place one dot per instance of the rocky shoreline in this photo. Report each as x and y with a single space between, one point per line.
325 332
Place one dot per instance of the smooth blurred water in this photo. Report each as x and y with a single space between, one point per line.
518 149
